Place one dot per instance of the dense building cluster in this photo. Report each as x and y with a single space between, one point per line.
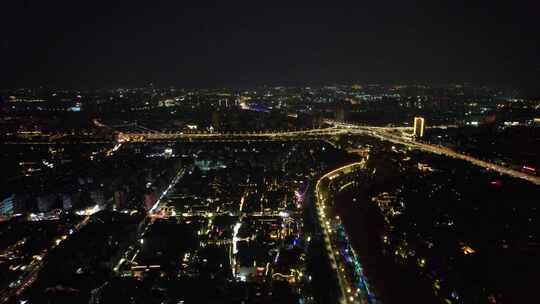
268 195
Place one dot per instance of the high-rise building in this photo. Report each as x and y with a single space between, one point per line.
150 199
419 126
97 196
46 202
119 199
6 206
342 108
14 203
340 112
216 120
67 202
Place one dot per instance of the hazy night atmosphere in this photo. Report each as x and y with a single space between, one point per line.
176 152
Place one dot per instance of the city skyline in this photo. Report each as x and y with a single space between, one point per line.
164 152
269 194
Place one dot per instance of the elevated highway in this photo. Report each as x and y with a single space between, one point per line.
392 134
234 136
399 135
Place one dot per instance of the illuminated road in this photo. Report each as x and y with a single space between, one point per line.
59 142
349 295
241 136
450 153
132 251
386 134
349 292
35 266
338 128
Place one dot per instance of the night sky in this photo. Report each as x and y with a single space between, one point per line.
209 44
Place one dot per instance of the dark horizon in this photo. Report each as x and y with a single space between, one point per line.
509 90
90 45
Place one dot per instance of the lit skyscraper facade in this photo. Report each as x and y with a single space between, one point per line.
419 125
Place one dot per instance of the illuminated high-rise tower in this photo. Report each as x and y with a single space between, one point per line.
419 126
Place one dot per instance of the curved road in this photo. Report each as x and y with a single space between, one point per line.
350 294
